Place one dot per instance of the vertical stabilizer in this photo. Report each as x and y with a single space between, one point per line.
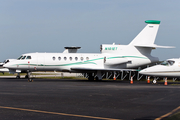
148 35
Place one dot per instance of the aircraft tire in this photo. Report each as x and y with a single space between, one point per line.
91 78
154 81
17 77
26 76
97 79
30 80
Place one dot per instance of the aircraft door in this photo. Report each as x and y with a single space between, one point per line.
40 64
104 59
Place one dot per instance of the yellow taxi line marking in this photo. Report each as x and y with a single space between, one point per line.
163 116
56 113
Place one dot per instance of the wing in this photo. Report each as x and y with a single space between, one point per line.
83 70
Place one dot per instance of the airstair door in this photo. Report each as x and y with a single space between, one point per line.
40 65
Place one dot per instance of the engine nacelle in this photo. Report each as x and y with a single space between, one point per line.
114 60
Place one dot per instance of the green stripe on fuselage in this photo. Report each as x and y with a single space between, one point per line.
84 62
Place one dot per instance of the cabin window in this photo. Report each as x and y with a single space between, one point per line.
81 58
65 58
23 57
28 57
76 58
20 57
53 58
59 58
70 58
87 58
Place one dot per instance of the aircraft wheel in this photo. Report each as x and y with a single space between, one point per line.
30 80
98 79
26 76
154 81
17 77
91 78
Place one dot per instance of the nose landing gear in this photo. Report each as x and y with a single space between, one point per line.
29 77
18 76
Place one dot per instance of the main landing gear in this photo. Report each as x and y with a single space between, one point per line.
91 77
98 76
29 77
18 76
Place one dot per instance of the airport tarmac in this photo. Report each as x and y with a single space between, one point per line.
46 99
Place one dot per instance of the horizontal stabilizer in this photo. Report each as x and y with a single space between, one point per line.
154 46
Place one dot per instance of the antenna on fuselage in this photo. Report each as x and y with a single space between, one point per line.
71 49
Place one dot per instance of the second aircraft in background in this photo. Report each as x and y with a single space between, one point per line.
168 68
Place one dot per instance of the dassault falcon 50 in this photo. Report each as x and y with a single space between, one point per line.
112 58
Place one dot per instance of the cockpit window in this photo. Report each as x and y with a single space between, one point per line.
165 63
23 57
168 63
20 57
6 61
171 62
28 57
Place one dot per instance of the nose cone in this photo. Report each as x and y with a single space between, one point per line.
144 71
8 65
5 65
154 70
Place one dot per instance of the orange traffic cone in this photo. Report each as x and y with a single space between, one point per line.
114 77
148 80
165 82
131 80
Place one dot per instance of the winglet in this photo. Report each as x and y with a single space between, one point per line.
152 21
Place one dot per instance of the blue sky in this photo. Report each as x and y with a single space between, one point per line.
50 25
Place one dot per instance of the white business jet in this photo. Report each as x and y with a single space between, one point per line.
168 68
112 57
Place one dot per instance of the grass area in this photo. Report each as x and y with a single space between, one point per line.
175 116
7 74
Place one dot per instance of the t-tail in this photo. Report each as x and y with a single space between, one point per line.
143 42
148 35
139 49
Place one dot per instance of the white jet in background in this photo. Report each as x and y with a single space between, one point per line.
3 70
112 57
168 68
